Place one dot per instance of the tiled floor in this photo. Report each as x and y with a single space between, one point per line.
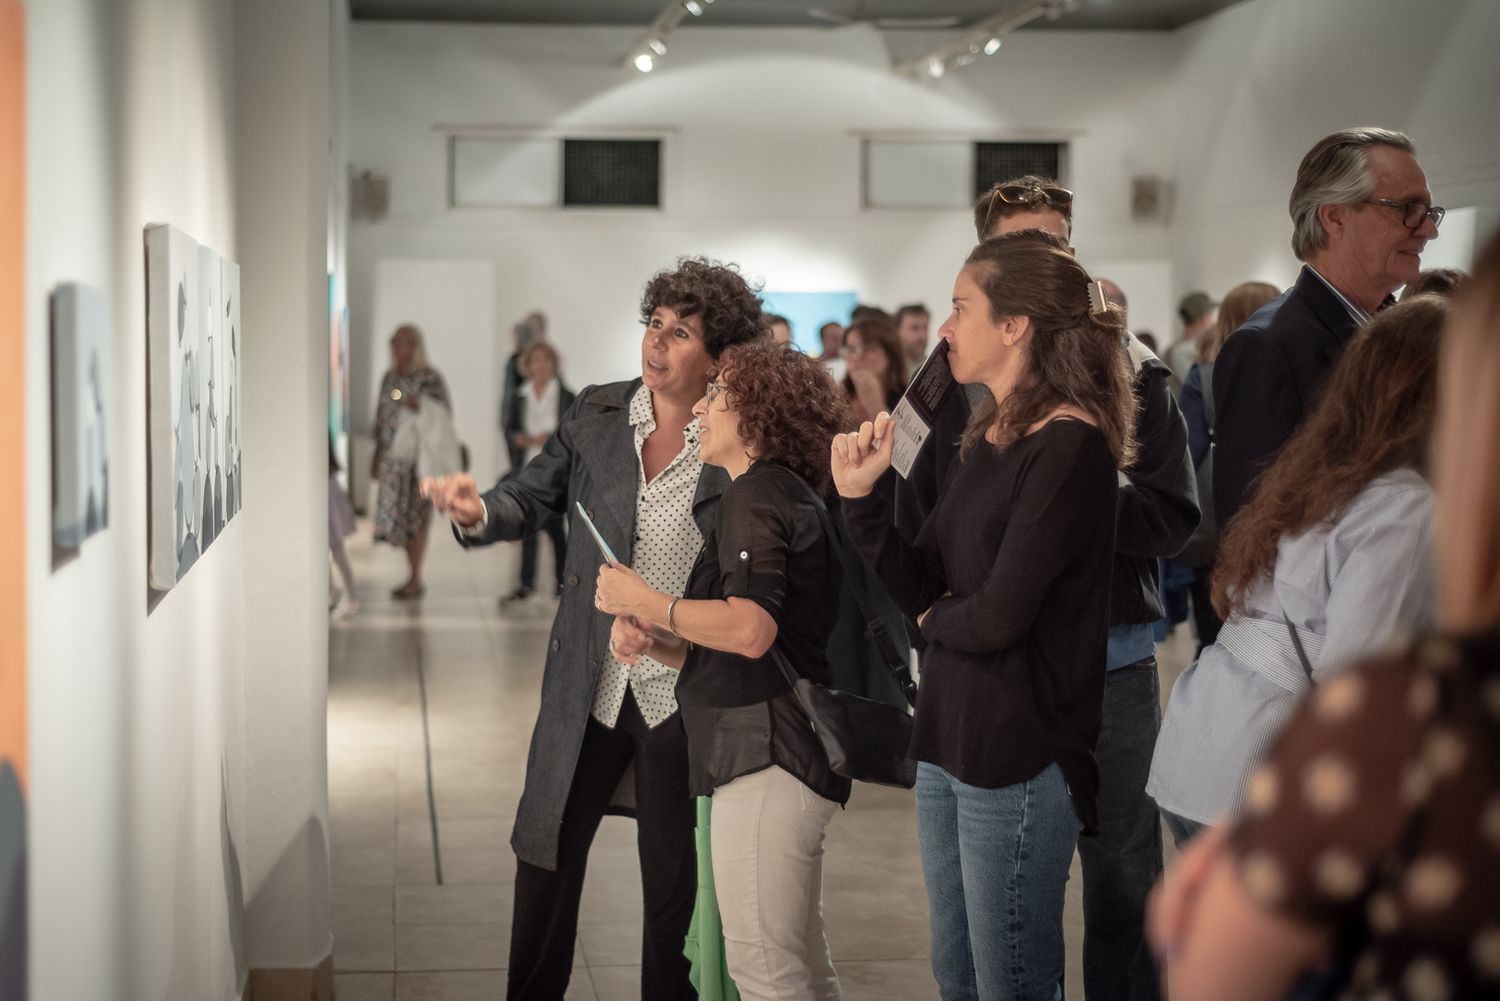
397 774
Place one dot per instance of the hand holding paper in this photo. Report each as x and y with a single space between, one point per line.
859 458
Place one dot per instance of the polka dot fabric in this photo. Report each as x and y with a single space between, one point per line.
1379 806
667 541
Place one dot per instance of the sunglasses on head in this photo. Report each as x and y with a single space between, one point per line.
1031 195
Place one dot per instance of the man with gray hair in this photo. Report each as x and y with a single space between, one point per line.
1361 215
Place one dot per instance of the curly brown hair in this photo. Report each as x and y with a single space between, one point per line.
1077 358
1376 414
729 305
788 406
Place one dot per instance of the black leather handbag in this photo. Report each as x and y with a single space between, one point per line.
865 739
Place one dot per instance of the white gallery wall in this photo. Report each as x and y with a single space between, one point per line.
155 829
761 157
1262 81
761 165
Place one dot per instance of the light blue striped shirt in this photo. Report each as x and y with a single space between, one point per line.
1350 589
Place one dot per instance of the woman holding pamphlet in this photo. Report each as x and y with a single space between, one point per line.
1009 579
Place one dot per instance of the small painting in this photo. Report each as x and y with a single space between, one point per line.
80 401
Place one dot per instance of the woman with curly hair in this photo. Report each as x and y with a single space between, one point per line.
1333 552
1010 580
627 453
763 579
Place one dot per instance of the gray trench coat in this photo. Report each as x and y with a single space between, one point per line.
591 458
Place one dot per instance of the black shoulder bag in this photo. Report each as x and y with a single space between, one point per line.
865 739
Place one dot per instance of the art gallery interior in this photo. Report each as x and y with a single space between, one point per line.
225 794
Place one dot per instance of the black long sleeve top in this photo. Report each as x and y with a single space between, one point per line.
1014 562
768 546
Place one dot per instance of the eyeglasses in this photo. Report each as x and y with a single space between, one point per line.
715 390
1031 195
855 350
1413 214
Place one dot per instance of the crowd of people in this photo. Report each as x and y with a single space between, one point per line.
1324 464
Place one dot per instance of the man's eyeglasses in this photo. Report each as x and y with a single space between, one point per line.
1413 214
715 390
1030 195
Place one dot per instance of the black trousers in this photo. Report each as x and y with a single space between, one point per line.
544 922
554 528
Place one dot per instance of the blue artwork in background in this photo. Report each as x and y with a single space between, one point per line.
808 311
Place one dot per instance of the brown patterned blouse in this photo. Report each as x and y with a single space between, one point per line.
1379 806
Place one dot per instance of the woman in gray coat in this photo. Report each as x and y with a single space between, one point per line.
628 452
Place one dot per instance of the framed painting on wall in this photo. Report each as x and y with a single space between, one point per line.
80 401
13 760
193 378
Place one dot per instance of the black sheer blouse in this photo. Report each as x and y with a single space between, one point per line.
769 547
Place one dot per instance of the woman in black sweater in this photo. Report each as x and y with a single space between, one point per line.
1009 579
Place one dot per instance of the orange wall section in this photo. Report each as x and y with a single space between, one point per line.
12 404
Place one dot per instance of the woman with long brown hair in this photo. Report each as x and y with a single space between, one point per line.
876 367
1368 849
1010 581
1331 557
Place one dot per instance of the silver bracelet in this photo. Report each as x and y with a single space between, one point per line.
671 621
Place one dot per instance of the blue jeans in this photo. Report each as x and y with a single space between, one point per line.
996 866
1123 862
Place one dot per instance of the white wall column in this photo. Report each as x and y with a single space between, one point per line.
282 77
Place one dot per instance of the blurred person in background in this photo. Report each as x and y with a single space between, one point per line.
536 410
402 513
1197 401
912 327
876 369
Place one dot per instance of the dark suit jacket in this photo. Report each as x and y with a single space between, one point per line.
591 458
1267 378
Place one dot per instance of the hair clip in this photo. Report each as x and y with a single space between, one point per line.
1098 304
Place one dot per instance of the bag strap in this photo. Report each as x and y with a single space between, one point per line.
855 571
1206 382
1301 654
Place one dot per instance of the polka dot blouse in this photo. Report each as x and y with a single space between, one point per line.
1379 807
667 541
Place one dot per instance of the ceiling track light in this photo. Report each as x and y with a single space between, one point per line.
984 35
654 44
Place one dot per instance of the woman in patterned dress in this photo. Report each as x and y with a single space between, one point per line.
1370 842
402 515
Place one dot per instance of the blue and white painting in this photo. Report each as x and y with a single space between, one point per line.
808 312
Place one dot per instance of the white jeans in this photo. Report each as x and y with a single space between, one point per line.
767 834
